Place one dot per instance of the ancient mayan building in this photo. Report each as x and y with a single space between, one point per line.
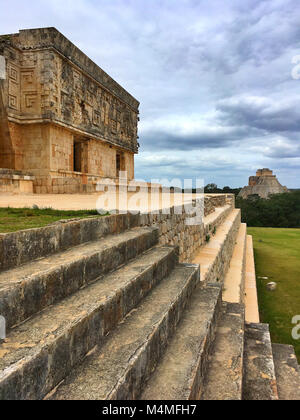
65 124
263 184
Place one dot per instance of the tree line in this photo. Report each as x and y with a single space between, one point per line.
279 210
213 189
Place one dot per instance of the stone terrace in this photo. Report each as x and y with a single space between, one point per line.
137 306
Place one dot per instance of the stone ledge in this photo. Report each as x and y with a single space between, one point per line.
251 301
259 381
225 370
15 174
287 372
16 182
20 247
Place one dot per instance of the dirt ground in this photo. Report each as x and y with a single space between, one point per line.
133 201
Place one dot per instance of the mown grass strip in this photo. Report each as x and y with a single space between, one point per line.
277 257
14 219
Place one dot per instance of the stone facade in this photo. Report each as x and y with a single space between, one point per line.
63 119
16 181
263 184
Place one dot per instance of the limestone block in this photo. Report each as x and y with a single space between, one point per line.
164 227
272 286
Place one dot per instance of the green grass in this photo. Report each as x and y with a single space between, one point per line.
12 219
277 256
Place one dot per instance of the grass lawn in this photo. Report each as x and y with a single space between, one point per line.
12 219
277 256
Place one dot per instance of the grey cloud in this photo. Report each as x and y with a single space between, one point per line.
262 113
167 140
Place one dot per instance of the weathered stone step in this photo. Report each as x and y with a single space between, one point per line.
27 290
259 380
18 248
119 369
234 284
180 373
224 376
251 301
194 238
216 218
39 353
287 372
214 257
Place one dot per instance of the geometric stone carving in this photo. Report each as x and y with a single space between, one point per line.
13 87
28 59
113 126
13 73
13 102
30 99
27 77
97 118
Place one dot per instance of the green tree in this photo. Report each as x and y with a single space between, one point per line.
279 210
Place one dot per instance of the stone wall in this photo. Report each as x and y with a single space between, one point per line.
20 247
174 228
218 200
61 149
15 182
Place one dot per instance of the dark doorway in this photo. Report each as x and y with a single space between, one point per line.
120 163
77 156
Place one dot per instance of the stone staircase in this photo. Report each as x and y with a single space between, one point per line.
118 317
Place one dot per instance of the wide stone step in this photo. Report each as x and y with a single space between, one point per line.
181 371
216 218
234 284
39 353
119 369
251 300
225 370
259 380
287 372
215 256
27 290
21 247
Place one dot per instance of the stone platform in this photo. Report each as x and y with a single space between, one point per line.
16 182
137 306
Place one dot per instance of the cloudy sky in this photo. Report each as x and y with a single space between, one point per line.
214 78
